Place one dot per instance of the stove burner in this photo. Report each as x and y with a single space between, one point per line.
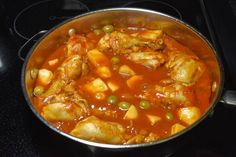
157 6
44 15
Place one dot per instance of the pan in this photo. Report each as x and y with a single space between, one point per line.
150 19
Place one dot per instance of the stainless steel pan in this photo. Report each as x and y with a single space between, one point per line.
129 17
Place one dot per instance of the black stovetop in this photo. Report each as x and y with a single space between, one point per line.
23 135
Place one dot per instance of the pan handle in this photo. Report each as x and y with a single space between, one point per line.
27 43
229 98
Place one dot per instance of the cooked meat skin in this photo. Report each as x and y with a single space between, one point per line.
184 68
95 129
61 112
124 43
148 59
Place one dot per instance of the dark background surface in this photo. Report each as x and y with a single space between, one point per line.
23 135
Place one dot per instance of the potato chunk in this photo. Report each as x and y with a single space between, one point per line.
176 128
45 76
61 112
126 70
100 61
103 72
153 119
95 129
133 81
131 114
189 114
97 85
113 86
97 58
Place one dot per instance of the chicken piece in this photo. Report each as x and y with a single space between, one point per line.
141 138
61 112
148 59
150 38
118 42
54 88
95 129
149 34
71 68
80 102
171 93
85 69
125 43
78 45
174 45
136 139
151 137
70 97
184 68
174 92
189 114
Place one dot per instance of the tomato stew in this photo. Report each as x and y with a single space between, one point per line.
122 85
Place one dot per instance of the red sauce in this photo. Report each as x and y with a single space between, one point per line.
198 93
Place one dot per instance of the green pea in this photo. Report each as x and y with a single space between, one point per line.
169 116
38 90
34 73
144 104
112 99
108 28
115 60
71 32
124 105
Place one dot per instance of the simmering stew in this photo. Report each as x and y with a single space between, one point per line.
121 85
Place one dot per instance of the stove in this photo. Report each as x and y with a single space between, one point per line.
23 135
